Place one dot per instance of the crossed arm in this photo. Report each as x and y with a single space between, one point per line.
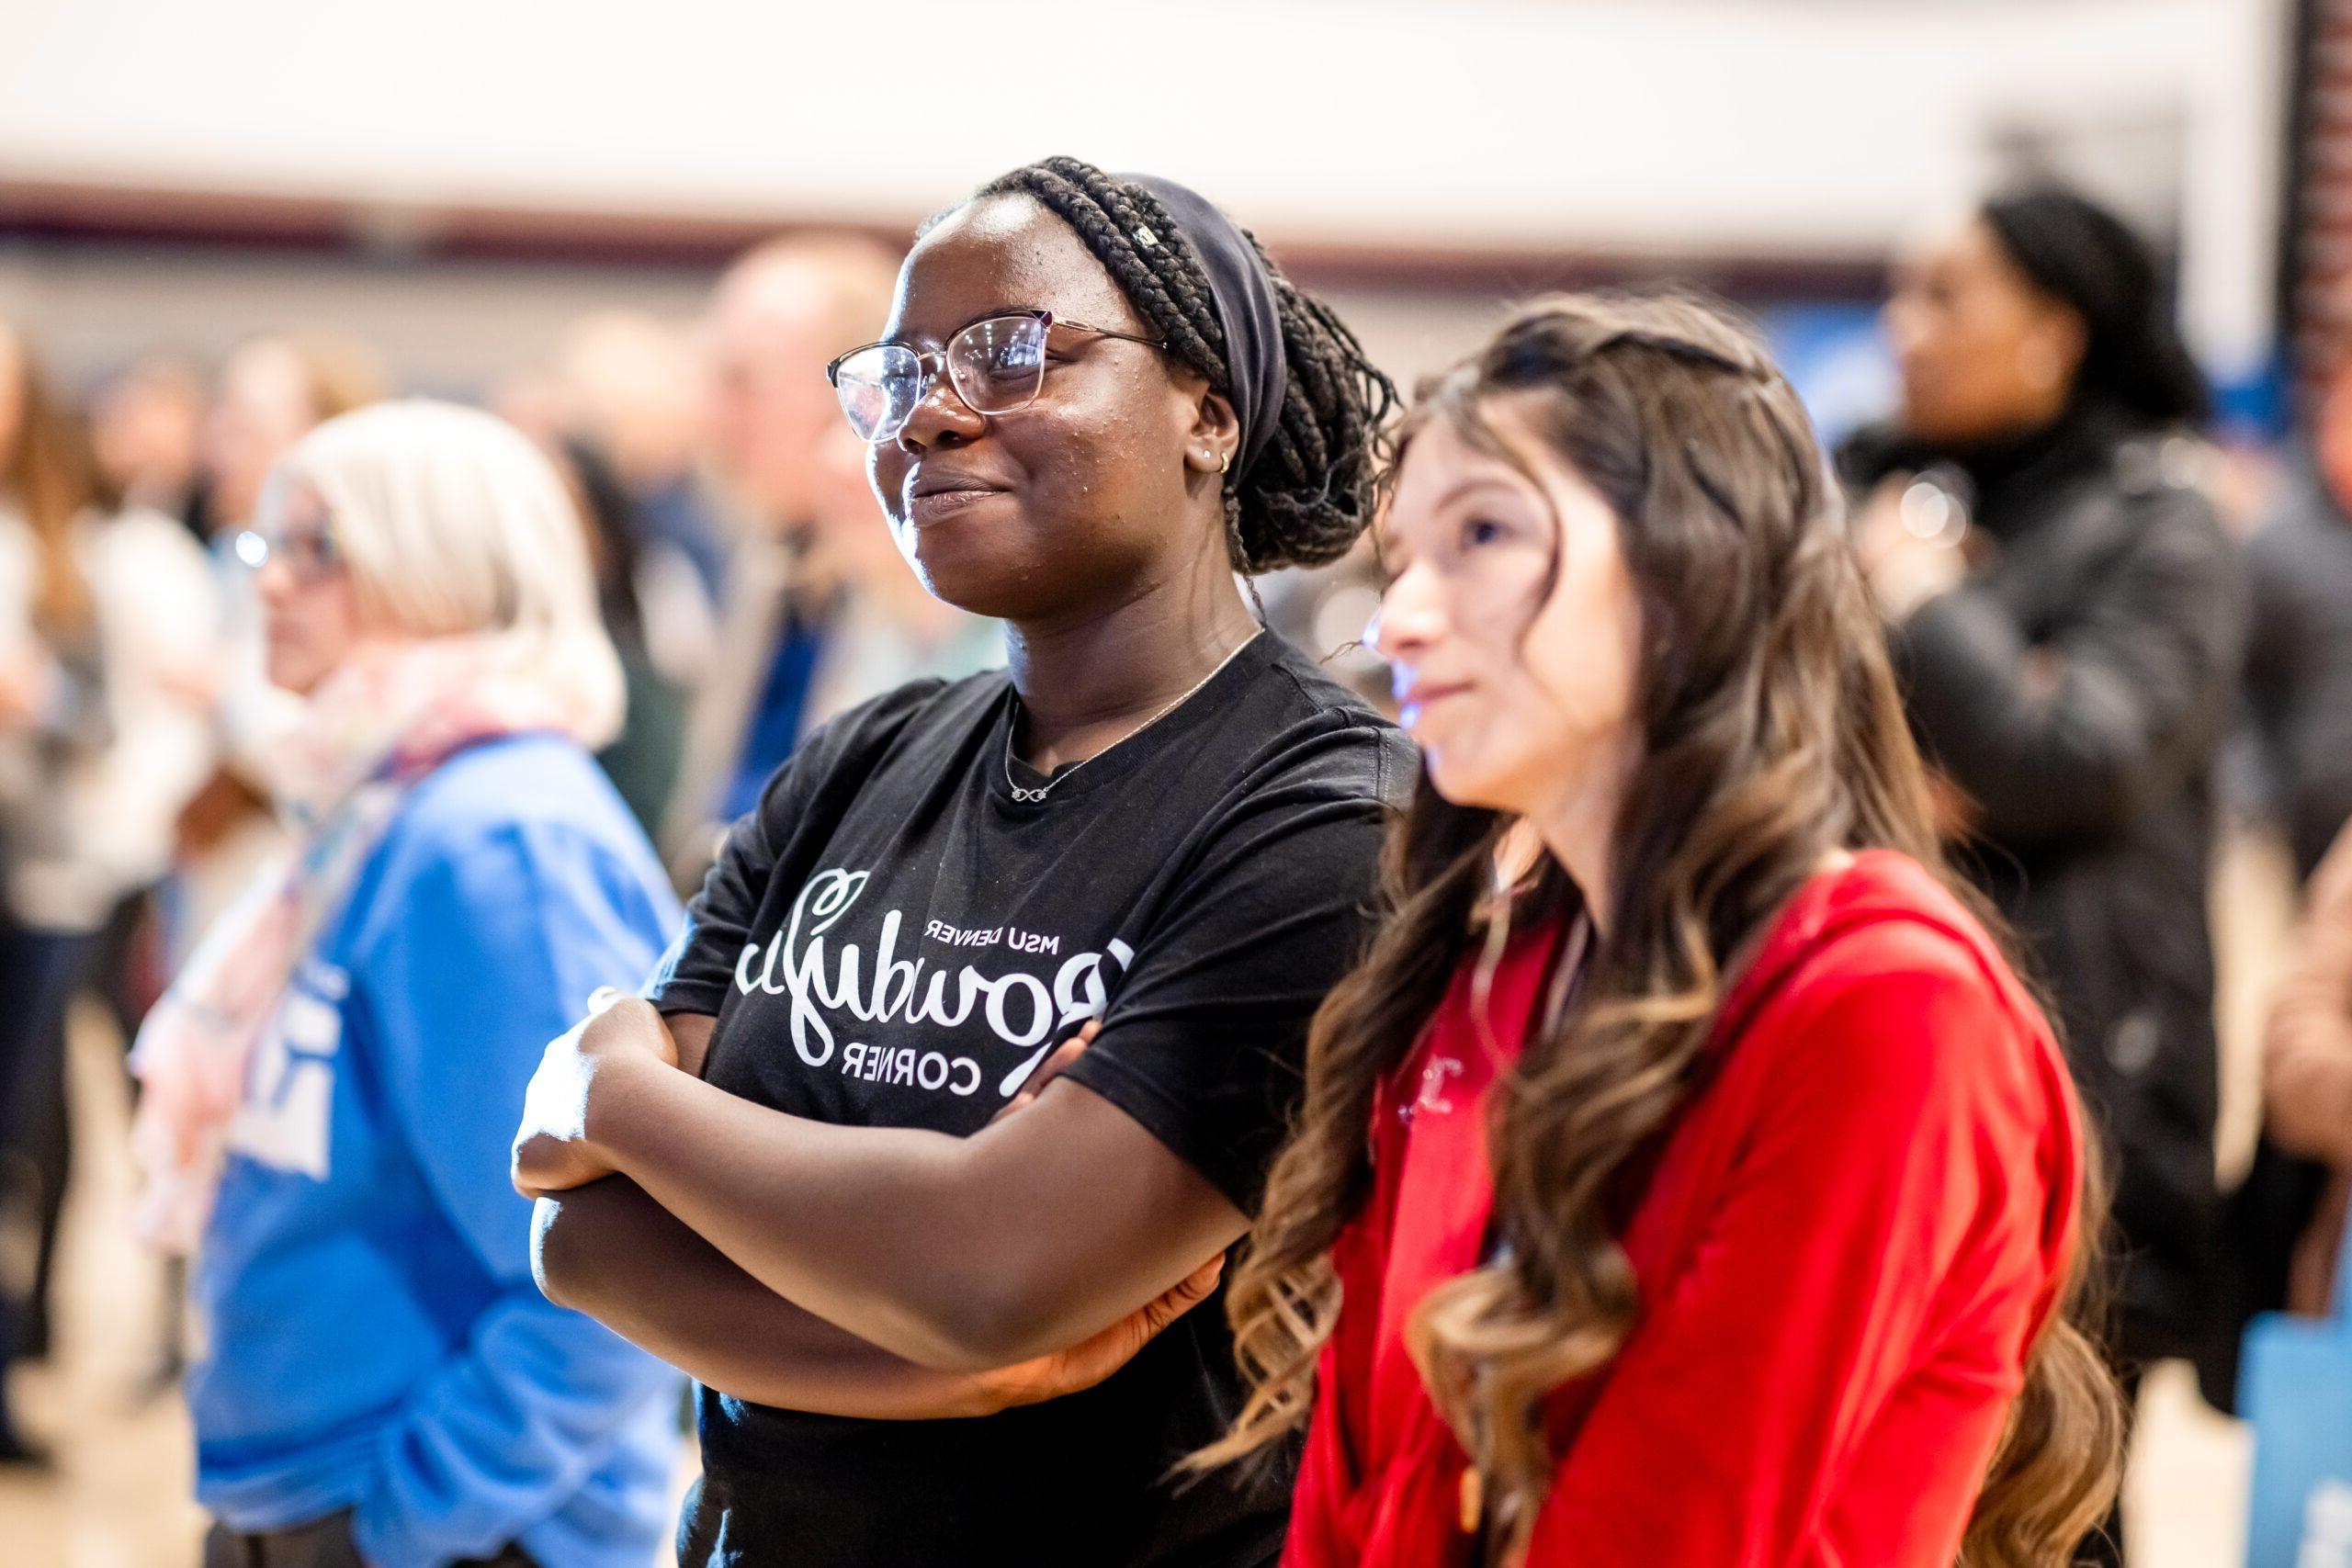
609 1250
869 1272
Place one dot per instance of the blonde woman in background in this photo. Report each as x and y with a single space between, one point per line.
99 750
332 1083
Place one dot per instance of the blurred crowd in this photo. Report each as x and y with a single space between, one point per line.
751 590
741 568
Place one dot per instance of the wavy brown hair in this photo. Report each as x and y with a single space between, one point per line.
1773 735
49 473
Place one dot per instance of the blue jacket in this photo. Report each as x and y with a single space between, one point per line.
376 1340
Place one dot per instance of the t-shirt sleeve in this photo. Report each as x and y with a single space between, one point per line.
1204 1041
695 974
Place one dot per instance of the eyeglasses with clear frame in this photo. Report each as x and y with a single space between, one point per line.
996 364
310 554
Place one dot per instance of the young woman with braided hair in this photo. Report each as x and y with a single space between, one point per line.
790 1170
1702 1190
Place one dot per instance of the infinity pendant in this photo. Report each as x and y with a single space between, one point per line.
1027 795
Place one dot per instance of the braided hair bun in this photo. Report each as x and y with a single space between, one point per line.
1309 494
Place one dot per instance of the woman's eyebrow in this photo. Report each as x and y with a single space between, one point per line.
1471 483
910 339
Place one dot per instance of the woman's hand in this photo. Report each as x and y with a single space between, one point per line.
584 1068
1091 1360
27 681
1910 551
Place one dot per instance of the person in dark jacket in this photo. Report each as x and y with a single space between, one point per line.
2298 705
2299 659
2069 619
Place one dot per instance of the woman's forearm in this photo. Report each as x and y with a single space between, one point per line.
609 1250
960 1254
862 1226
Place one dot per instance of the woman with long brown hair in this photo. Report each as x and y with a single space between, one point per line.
1684 1177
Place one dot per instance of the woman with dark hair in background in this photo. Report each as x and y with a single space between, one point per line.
102 611
146 425
1095 402
2068 618
1685 1179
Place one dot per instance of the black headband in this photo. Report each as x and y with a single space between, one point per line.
1243 291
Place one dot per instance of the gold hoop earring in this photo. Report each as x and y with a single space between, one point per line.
1224 461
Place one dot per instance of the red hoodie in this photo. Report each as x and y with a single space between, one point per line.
1846 1243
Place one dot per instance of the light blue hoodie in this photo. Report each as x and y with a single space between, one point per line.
376 1341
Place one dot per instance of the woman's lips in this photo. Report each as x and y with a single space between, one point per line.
1415 700
938 505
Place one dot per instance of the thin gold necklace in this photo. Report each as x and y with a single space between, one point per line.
1031 796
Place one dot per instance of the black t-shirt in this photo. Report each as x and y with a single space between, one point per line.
893 940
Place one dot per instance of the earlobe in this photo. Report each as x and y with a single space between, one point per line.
1217 431
2038 362
2054 353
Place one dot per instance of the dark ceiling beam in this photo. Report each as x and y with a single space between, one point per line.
108 215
